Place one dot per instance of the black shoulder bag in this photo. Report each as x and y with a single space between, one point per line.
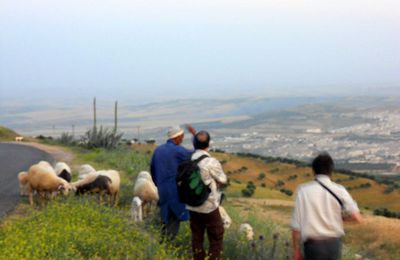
331 192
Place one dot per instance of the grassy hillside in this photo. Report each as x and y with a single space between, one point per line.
79 228
242 169
7 134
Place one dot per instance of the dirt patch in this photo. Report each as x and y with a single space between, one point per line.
279 211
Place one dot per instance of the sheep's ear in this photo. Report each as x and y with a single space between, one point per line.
60 187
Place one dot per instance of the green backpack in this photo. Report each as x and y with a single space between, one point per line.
191 188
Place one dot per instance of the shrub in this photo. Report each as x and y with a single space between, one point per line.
386 213
389 189
261 176
286 191
279 183
275 170
66 138
102 138
43 138
243 169
249 190
150 141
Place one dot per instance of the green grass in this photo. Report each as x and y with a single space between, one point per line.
7 134
129 163
79 228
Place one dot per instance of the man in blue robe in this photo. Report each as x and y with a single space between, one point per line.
164 168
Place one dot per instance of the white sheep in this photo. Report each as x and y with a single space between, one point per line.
136 209
145 189
226 220
63 171
84 170
19 138
42 178
247 230
23 183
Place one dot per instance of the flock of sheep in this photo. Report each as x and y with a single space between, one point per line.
48 181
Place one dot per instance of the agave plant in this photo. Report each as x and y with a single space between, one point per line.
101 138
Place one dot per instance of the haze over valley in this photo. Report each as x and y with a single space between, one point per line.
362 133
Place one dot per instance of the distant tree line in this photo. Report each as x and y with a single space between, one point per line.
369 176
270 159
361 186
386 213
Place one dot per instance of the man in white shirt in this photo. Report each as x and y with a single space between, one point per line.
206 217
320 208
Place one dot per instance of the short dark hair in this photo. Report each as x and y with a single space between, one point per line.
201 140
323 164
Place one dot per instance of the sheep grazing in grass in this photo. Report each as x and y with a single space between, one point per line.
99 185
42 179
84 170
145 189
23 183
63 171
247 230
226 220
88 178
136 209
115 183
109 183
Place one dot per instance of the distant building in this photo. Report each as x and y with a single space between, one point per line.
314 131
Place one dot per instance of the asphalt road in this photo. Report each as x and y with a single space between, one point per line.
15 158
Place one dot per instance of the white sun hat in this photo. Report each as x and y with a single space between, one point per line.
174 131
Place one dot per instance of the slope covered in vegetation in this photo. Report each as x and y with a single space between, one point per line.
7 134
79 228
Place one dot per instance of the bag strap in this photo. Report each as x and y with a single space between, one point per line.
200 158
331 192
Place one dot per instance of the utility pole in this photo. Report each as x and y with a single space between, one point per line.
94 114
138 133
115 116
73 130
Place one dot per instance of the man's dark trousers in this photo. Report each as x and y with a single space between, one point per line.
325 249
170 229
212 223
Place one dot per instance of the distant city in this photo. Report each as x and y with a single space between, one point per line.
375 142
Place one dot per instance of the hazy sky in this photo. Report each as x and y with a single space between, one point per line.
163 49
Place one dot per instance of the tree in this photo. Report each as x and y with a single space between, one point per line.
249 190
261 176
